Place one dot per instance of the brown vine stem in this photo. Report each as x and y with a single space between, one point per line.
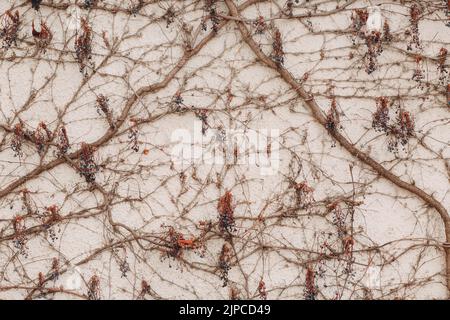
365 158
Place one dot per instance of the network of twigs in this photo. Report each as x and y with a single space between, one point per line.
93 206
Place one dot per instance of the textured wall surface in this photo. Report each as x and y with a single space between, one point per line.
224 149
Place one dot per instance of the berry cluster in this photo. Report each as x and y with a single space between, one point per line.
418 74
374 49
145 289
333 119
224 263
43 35
226 213
133 136
348 243
304 195
55 269
414 18
402 130
339 218
41 280
387 36
20 238
171 241
83 45
210 8
93 288
169 16
16 142
359 19
175 243
277 46
103 108
262 290
373 40
311 289
63 142
124 267
102 104
177 104
51 217
88 168
380 119
21 134
10 29
448 95
399 131
135 7
41 136
35 4
290 7
260 25
443 72
89 3
235 293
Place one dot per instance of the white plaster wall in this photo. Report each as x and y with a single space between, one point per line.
387 217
